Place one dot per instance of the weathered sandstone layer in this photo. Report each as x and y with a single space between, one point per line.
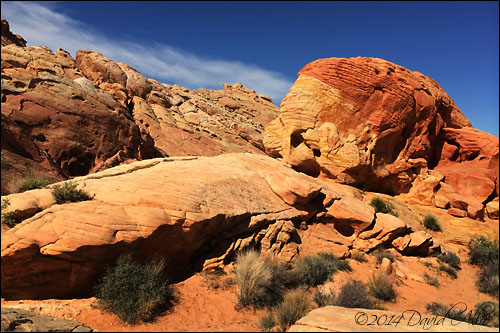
197 212
63 117
373 124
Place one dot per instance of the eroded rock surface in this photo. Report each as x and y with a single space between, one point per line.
197 212
376 125
119 114
18 320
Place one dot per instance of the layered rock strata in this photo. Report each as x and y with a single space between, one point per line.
119 114
373 124
197 212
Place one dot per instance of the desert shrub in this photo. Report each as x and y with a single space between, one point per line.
432 280
488 281
359 256
451 259
267 322
431 222
486 313
381 287
68 192
316 269
439 309
382 253
449 270
8 218
294 306
353 294
134 292
30 183
382 207
322 299
482 251
253 278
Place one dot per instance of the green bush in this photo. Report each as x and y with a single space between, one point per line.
134 292
483 251
30 183
381 254
266 322
315 269
431 222
67 192
381 287
451 259
486 314
383 207
8 218
294 306
353 294
432 280
253 278
449 270
359 256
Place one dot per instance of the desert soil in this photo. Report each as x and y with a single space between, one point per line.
203 306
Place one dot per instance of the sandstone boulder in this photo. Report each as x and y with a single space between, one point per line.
417 243
341 115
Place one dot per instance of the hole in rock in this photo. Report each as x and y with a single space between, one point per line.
317 152
296 139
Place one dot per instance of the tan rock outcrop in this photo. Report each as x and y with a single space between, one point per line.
8 37
197 212
120 115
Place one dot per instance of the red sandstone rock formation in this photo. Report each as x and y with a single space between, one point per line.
376 125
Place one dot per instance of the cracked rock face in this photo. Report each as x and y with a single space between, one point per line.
197 212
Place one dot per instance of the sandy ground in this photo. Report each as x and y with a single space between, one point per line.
202 307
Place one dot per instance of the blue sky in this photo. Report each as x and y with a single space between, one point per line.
264 44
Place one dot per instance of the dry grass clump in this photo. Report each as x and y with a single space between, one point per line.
294 306
253 278
381 287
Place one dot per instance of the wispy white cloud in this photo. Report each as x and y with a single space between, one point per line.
41 24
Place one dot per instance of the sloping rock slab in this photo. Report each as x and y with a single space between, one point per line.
339 319
18 320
